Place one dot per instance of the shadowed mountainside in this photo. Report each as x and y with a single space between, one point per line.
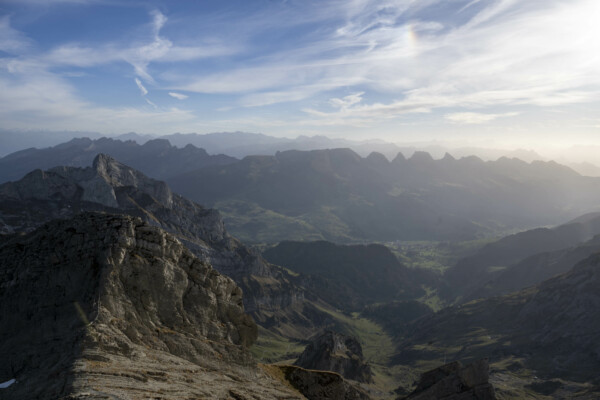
523 259
550 328
332 351
348 276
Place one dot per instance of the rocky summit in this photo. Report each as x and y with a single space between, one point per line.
332 351
110 186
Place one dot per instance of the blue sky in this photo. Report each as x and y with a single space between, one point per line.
502 72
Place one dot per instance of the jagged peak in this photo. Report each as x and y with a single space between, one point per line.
377 157
421 156
399 158
116 174
158 143
472 160
448 157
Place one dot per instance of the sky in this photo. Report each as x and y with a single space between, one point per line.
476 72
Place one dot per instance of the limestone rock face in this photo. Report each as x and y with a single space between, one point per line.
110 186
455 382
106 306
332 351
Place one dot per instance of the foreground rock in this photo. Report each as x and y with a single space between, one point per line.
332 351
455 382
105 306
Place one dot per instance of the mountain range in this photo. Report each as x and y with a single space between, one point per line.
110 276
583 159
339 196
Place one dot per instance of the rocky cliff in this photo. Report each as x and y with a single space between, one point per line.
113 187
105 306
332 351
319 385
455 382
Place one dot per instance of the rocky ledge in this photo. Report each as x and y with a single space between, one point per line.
454 381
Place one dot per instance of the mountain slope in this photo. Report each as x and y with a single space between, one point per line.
109 306
511 261
535 269
551 328
110 186
105 306
348 277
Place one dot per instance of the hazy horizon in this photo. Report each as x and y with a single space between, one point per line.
501 74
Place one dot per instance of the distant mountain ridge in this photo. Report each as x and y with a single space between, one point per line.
242 144
337 195
156 158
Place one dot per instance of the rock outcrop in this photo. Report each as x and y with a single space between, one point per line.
455 382
109 186
332 351
320 385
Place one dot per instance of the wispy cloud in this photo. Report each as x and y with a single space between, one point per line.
33 95
139 84
11 40
347 101
139 54
509 52
178 96
356 63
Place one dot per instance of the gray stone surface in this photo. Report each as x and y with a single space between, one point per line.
319 385
454 381
332 351
105 306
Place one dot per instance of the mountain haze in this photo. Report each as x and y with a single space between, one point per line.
339 196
